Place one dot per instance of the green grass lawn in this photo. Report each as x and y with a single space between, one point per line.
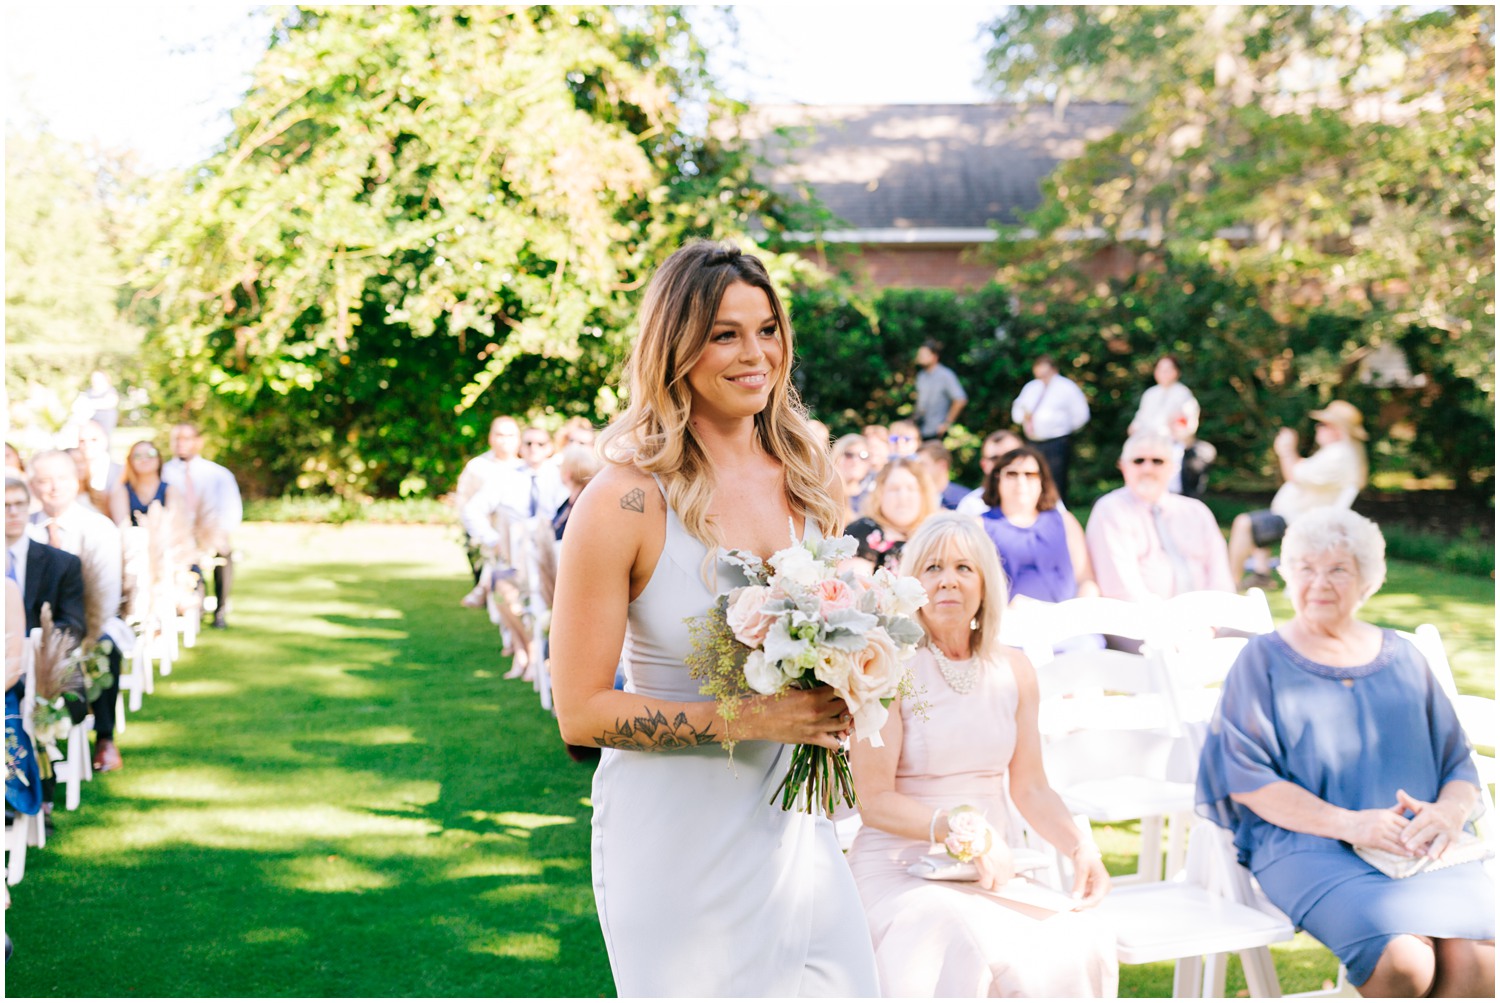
339 796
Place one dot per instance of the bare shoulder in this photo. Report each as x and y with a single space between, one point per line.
619 522
1021 668
625 490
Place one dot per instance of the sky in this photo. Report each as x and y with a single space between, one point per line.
160 78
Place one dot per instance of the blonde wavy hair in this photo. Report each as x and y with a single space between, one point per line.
969 539
654 434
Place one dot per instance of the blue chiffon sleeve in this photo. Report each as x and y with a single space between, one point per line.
1243 750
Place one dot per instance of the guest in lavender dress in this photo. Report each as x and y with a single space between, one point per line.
1041 546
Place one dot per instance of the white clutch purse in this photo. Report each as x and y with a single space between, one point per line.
1468 848
941 867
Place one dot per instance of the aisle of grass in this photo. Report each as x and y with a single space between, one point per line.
340 797
337 797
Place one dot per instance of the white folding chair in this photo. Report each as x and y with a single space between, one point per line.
847 823
1194 660
1083 690
1114 776
136 680
1477 716
1198 919
1038 629
537 547
76 765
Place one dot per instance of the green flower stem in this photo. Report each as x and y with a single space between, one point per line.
817 777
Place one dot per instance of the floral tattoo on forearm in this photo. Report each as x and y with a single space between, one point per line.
652 731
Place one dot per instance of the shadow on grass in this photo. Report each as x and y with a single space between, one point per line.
337 797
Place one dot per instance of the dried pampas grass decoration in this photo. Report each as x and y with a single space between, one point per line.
100 600
56 660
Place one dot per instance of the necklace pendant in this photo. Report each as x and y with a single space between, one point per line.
1348 683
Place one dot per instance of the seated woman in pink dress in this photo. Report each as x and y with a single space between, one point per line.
974 743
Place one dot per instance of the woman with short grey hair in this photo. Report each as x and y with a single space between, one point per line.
1339 764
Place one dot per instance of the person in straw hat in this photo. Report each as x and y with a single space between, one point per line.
1332 475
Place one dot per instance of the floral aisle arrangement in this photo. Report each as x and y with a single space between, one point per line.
69 678
800 623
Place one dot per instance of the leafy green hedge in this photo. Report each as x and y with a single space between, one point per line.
1250 371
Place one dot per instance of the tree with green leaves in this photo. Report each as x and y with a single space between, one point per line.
63 272
425 216
1336 160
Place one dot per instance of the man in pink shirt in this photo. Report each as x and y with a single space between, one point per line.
1146 542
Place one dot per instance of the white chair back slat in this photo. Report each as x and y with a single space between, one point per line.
1481 711
1044 626
1249 613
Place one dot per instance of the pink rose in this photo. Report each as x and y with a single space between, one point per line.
746 620
875 675
969 834
833 595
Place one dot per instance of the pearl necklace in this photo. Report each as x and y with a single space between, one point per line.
961 679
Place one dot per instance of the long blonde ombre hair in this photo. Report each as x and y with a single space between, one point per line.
654 434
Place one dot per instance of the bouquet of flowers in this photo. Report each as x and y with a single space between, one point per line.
801 624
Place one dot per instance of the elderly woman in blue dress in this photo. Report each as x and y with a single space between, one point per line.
1333 734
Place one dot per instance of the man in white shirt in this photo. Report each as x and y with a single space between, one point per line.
65 523
501 457
214 509
1147 543
522 491
1050 409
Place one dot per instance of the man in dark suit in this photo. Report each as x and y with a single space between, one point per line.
45 574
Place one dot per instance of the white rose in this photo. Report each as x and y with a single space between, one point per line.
833 668
762 674
910 595
798 565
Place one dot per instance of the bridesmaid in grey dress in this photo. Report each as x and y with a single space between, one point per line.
704 888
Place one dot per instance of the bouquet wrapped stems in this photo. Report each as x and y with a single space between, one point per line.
819 780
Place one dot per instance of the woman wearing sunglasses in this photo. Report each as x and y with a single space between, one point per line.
140 486
1041 544
1148 543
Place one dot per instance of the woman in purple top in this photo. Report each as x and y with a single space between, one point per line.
1041 546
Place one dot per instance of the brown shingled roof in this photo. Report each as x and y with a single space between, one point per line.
923 166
